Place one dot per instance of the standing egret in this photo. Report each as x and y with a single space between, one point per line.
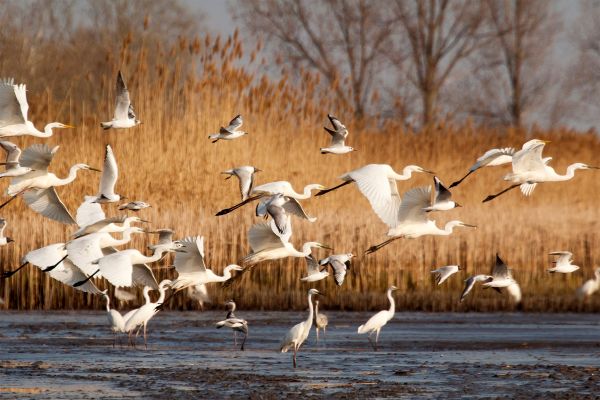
298 334
3 239
134 206
245 176
443 273
39 186
378 321
490 158
411 221
146 294
279 207
563 263
340 263
12 164
268 189
145 313
124 116
321 320
110 174
231 131
470 283
590 286
313 270
233 323
115 319
442 199
339 133
13 112
266 244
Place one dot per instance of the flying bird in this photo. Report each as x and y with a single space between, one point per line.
12 164
590 286
13 112
563 263
490 158
378 321
339 133
314 271
245 176
442 199
501 277
279 208
231 131
443 273
124 116
340 263
134 206
108 180
470 283
296 336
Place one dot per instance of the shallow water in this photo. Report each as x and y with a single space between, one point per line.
70 356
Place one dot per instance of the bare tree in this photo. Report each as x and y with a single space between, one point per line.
343 40
440 35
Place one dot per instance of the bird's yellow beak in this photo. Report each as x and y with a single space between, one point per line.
68 126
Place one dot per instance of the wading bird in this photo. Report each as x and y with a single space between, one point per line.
134 206
340 263
115 319
110 174
272 188
313 270
410 220
377 321
245 176
124 116
12 164
38 187
563 262
590 286
235 324
443 273
339 133
4 240
229 132
145 313
298 334
442 199
267 244
13 112
321 321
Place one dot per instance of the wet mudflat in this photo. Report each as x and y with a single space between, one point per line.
70 356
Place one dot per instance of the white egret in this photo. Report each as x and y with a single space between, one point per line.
13 112
191 268
298 334
39 186
279 207
4 240
313 270
127 315
563 262
378 321
411 221
339 133
231 131
529 169
266 244
470 283
115 319
490 158
134 206
268 189
443 273
442 199
321 320
108 225
145 313
234 323
124 116
110 174
340 263
590 286
12 164
245 176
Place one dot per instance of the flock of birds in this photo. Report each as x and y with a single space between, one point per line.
92 252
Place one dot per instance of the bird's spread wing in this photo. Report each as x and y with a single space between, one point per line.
143 276
47 255
13 153
12 112
117 269
124 295
339 270
235 123
38 156
245 179
279 216
89 212
96 226
69 274
190 257
165 236
47 203
500 269
382 194
469 283
110 173
262 237
84 250
337 125
123 101
528 160
338 139
564 257
2 226
292 206
312 266
492 154
514 291
527 188
441 192
411 209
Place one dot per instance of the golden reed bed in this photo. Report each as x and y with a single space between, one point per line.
169 162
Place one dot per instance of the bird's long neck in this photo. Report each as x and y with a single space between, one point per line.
448 228
568 175
306 193
226 276
392 303
311 313
161 298
70 178
306 249
107 303
156 255
406 174
47 131
147 294
124 240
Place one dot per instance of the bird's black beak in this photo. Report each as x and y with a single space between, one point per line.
457 205
94 169
8 240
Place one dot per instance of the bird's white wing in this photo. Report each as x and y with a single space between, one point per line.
262 237
190 257
47 203
528 160
564 257
312 266
245 178
441 192
143 276
337 125
527 188
117 269
68 273
235 123
124 295
123 101
491 155
279 217
339 270
411 209
514 291
89 212
38 156
47 255
85 250
110 173
293 206
2 226
382 194
12 112
13 153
